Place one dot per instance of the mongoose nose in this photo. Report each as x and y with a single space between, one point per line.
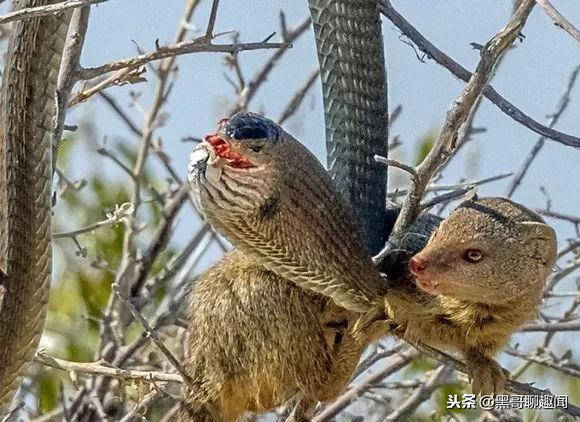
417 265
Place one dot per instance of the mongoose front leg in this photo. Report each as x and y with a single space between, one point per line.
486 375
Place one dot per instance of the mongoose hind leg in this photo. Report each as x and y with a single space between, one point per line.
486 375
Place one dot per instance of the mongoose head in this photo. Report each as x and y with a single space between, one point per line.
490 250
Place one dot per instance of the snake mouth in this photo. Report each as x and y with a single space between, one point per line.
223 148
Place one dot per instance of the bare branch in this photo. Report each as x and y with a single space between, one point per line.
197 45
154 337
396 363
298 97
35 12
561 326
249 91
563 103
459 71
435 380
559 19
106 370
116 217
458 114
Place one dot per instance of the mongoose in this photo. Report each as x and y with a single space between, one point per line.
258 341
258 335
480 277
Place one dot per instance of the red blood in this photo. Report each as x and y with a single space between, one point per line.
223 149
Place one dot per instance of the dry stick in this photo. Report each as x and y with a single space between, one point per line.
68 73
160 239
559 216
114 218
563 104
249 91
198 45
51 9
106 370
559 19
398 362
456 117
154 337
459 71
437 379
547 362
439 188
558 326
298 97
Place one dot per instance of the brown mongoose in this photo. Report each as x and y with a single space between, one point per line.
258 338
480 277
257 341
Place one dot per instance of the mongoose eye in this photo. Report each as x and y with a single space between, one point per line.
472 255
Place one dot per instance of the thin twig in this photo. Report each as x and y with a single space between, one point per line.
563 103
154 337
441 188
554 327
396 363
298 97
395 163
51 9
459 71
435 380
95 368
197 45
249 91
559 19
116 217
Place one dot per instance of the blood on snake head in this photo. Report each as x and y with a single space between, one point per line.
236 168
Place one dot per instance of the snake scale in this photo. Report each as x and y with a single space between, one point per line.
28 114
352 69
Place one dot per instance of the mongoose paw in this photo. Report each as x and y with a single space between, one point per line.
487 376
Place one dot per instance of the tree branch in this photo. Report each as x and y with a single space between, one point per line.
51 9
559 19
459 71
95 368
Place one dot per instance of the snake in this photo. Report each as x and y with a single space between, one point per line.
350 49
28 99
263 190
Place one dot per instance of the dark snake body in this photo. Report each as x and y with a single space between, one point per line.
354 86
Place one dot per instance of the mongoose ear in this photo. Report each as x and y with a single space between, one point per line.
543 234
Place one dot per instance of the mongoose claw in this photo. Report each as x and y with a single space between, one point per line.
487 376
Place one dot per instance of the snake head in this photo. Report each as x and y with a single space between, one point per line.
245 141
238 161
